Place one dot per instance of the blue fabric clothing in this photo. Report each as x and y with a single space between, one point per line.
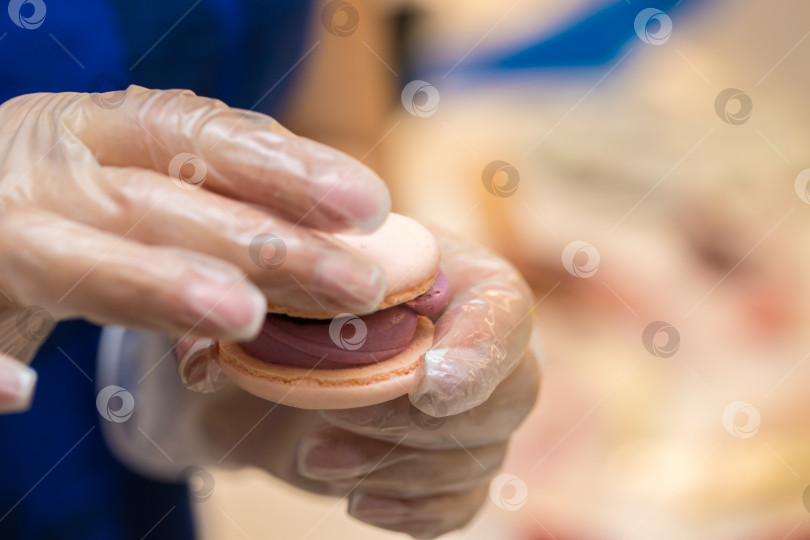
58 479
234 50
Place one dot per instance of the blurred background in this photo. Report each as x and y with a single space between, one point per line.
661 219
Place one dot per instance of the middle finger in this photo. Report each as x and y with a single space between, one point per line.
344 459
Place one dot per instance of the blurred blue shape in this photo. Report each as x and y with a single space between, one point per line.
592 38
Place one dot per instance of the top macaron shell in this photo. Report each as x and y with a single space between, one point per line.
406 251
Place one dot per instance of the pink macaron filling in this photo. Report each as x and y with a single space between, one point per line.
434 300
348 340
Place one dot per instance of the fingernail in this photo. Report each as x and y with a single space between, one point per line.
382 421
237 310
17 383
359 417
376 509
331 458
431 403
354 285
362 203
197 365
349 191
324 460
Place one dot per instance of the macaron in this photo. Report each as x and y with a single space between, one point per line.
344 360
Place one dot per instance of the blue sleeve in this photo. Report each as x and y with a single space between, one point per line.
59 478
239 51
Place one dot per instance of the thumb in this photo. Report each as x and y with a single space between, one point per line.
198 364
17 383
481 336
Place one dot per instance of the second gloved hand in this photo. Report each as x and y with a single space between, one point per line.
421 463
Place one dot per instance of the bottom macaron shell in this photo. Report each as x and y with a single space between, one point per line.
328 388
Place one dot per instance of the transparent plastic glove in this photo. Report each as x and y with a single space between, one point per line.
167 211
407 471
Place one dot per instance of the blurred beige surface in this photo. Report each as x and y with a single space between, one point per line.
697 224
249 504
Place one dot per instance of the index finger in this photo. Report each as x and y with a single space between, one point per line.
247 156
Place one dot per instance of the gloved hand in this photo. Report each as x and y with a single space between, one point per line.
421 463
100 218
407 471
